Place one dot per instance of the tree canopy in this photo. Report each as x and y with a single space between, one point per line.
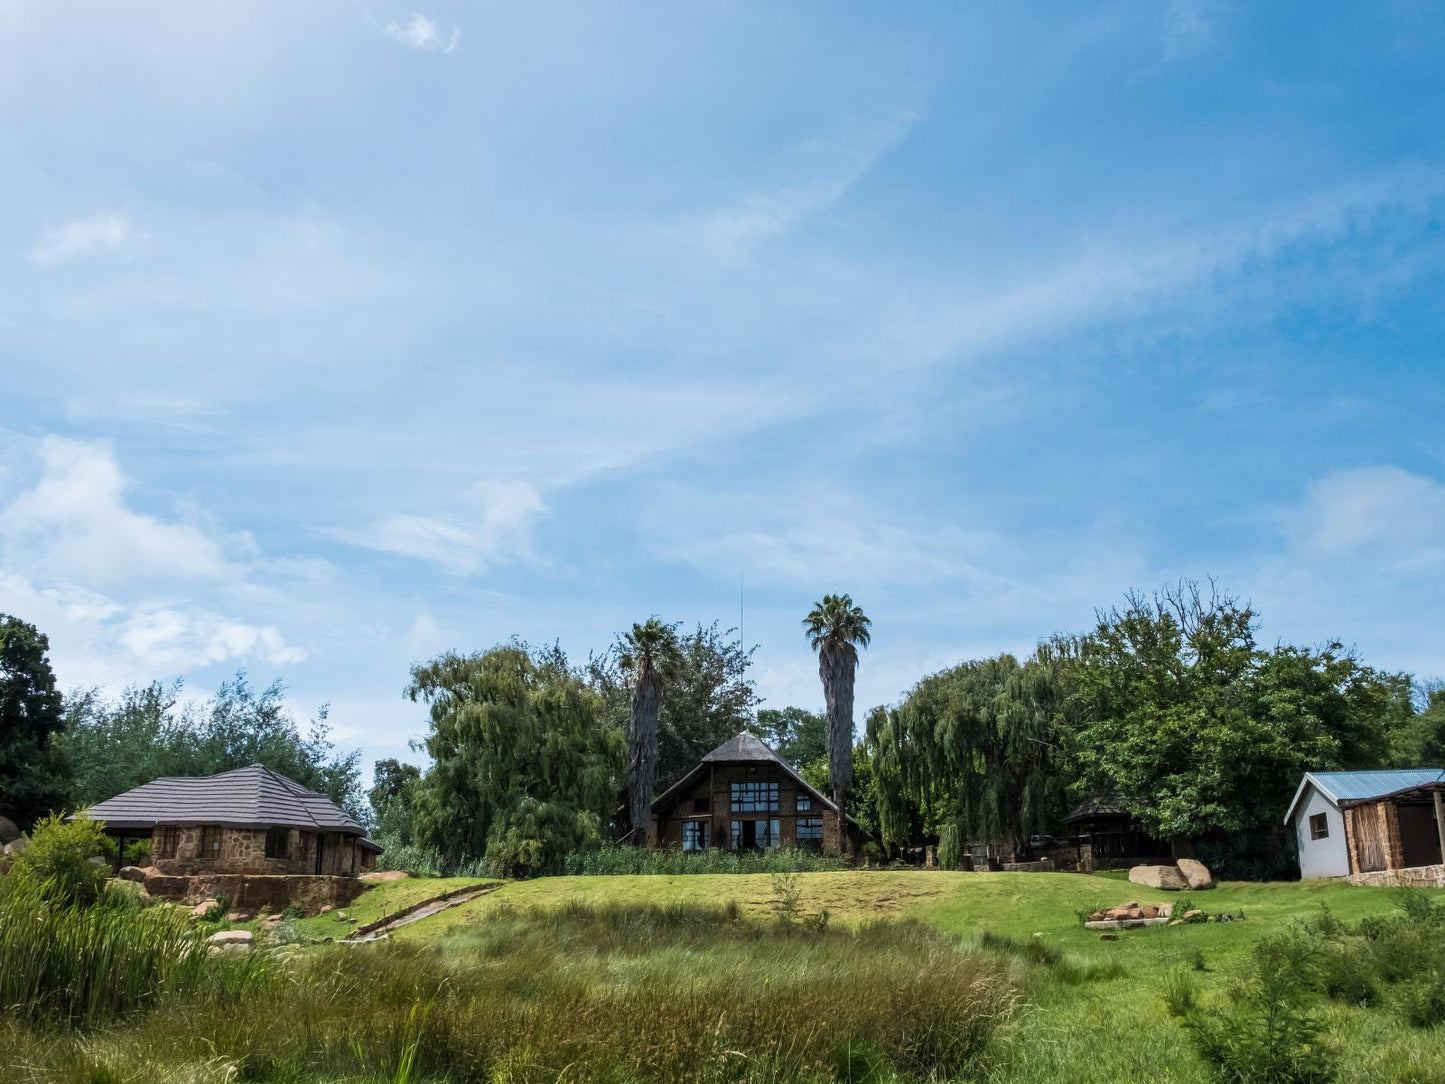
1202 732
147 732
797 735
526 765
33 771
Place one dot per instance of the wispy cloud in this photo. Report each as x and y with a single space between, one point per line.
84 237
1188 28
1387 510
419 32
495 526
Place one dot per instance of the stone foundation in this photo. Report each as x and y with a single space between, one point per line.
1415 877
251 892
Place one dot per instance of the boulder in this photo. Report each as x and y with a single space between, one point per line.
1196 873
201 908
230 939
1167 878
133 889
15 846
9 833
239 916
132 873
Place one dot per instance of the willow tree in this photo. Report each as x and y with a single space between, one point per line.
836 628
649 654
981 748
525 767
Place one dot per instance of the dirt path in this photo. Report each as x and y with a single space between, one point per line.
374 931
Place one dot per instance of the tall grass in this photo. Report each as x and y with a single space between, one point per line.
61 960
613 860
583 994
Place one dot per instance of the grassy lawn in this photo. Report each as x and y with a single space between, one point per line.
1106 1030
380 900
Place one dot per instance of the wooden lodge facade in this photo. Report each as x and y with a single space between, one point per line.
743 797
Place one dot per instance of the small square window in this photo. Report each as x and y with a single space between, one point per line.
805 802
278 843
1319 826
702 805
167 841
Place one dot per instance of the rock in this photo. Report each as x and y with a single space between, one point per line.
239 916
341 915
383 876
1108 937
9 833
132 873
326 910
201 908
15 846
1194 915
231 937
274 920
129 888
1176 922
97 860
1167 878
1196 873
1166 910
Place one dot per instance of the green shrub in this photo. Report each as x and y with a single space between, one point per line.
610 860
1421 1001
58 856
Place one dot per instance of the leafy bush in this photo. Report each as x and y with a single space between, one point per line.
1421 1001
1269 1035
58 857
610 860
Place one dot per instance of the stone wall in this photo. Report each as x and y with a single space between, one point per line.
251 892
1418 877
243 850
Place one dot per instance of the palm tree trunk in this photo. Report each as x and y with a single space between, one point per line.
642 776
836 668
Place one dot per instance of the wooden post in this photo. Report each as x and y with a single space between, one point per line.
1440 822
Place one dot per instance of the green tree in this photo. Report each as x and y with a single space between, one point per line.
710 697
525 765
649 655
58 857
145 733
836 628
392 793
980 749
1200 731
1419 740
797 735
33 771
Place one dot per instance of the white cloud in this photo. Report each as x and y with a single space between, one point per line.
84 237
1188 28
495 527
419 32
1385 509
75 524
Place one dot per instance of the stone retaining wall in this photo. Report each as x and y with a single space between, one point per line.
1416 877
251 892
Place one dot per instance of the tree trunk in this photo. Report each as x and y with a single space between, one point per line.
837 667
642 742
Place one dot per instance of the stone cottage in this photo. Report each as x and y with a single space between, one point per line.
251 835
744 797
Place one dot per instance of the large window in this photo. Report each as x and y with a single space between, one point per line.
755 797
1319 826
810 833
755 835
210 843
167 842
278 843
694 835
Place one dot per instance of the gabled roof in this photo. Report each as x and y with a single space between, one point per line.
1100 805
743 748
253 797
1349 788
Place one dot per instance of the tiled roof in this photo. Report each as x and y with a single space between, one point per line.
1347 788
246 797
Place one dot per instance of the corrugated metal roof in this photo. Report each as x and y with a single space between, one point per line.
1348 788
246 797
1362 786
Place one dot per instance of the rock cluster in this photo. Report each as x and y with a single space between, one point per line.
1128 916
1186 873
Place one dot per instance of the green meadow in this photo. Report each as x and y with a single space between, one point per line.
875 976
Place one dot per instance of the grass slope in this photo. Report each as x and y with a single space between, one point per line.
1104 1031
381 900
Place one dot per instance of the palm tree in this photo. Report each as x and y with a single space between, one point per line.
650 654
836 628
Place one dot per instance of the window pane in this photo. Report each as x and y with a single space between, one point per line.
754 797
805 802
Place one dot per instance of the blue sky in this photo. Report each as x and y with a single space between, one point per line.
335 335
